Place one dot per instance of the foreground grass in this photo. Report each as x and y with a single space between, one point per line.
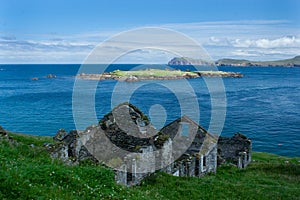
27 172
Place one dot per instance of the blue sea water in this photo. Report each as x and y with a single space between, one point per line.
264 104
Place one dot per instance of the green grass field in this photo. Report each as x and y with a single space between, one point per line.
28 172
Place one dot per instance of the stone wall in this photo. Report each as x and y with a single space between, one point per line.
194 165
2 131
135 169
127 142
236 150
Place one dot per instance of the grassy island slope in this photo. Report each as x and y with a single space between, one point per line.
156 74
28 172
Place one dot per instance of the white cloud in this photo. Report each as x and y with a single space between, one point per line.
282 42
215 41
260 39
47 51
264 54
243 53
257 39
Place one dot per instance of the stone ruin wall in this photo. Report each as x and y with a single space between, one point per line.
236 150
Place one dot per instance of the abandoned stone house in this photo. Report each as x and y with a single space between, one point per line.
126 141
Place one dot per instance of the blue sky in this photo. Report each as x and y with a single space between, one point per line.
55 31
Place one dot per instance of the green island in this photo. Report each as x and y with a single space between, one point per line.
155 74
28 172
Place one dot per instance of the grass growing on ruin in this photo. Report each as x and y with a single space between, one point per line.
28 172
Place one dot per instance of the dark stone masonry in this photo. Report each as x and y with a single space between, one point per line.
126 141
236 150
2 131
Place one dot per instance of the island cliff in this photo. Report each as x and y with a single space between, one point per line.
189 61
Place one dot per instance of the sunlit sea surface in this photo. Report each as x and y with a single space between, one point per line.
264 104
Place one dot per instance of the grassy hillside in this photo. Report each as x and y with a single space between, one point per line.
27 172
292 62
235 62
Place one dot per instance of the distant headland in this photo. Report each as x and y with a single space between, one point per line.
293 62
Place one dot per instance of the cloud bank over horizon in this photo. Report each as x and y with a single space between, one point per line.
254 40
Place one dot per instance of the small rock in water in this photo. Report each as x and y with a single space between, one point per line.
35 79
51 76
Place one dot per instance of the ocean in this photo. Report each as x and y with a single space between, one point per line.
264 104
